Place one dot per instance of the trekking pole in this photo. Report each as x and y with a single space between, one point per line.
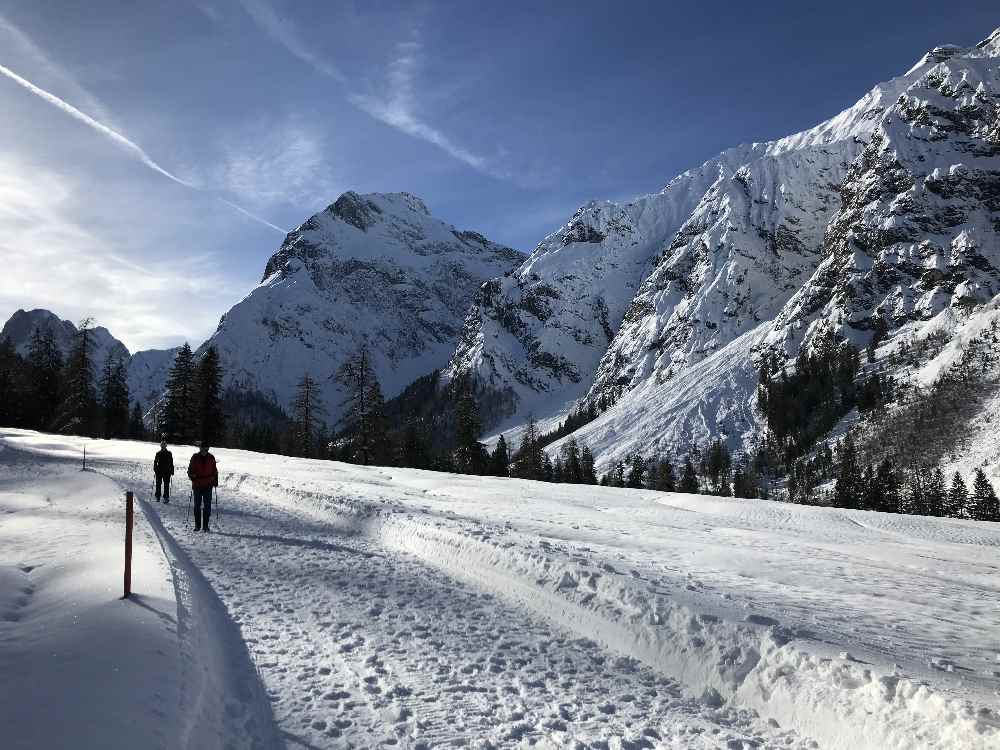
190 501
218 508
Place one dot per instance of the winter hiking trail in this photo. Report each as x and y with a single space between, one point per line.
405 608
84 668
360 646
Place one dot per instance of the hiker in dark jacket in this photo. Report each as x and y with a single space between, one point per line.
204 475
163 469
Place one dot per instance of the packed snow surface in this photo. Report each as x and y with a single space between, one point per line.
344 606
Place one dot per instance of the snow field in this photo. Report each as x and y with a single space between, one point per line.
362 646
80 667
428 610
84 668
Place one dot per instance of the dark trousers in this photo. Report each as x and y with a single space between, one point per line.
165 481
202 506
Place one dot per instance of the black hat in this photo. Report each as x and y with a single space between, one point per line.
204 444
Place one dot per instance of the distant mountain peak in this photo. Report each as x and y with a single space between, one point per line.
375 268
363 211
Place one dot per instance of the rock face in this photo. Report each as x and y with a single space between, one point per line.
539 333
919 226
370 268
660 306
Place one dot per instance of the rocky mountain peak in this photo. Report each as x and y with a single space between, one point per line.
990 46
375 268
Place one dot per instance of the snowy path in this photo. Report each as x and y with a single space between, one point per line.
363 646
397 607
84 668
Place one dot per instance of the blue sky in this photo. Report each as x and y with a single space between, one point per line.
153 151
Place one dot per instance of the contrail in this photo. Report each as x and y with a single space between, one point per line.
251 216
119 139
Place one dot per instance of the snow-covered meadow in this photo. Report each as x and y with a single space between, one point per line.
343 606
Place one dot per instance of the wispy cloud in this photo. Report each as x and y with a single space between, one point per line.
284 32
131 147
396 107
275 162
52 261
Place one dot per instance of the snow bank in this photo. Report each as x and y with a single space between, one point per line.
857 629
842 702
83 667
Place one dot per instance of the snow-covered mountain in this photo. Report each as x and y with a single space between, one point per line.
147 374
661 305
147 370
22 325
374 268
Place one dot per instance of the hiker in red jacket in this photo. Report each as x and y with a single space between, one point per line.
204 475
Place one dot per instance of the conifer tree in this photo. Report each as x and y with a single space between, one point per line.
558 471
572 467
913 495
716 465
636 471
307 413
364 408
589 476
77 413
870 489
136 427
500 459
847 490
744 482
413 446
114 398
618 475
529 461
890 485
210 419
547 467
958 497
178 410
45 368
936 493
470 455
983 505
664 480
10 392
689 478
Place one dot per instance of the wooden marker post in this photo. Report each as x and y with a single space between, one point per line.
129 511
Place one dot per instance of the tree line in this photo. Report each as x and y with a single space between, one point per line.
191 410
918 490
889 461
48 391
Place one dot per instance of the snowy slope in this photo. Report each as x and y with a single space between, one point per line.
147 374
539 333
376 268
439 610
919 230
888 209
623 290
